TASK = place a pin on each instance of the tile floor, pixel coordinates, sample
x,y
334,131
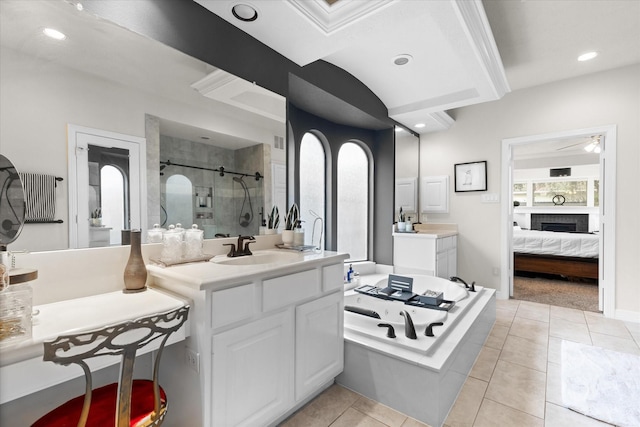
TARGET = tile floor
x,y
514,382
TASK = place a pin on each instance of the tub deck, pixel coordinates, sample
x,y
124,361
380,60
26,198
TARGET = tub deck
x,y
423,384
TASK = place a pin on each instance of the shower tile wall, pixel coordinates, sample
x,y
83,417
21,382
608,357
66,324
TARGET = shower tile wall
x,y
227,194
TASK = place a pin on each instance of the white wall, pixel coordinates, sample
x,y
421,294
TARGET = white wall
x,y
606,98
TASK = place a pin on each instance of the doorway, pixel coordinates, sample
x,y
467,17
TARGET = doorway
x,y
606,210
128,154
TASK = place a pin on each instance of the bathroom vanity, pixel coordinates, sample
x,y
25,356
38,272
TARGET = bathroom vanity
x,y
432,250
267,330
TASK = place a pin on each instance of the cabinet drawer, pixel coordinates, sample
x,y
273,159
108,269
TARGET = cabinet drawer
x,y
232,305
285,290
332,277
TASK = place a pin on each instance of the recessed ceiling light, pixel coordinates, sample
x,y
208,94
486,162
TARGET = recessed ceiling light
x,y
244,12
54,34
420,125
399,129
587,56
79,6
403,59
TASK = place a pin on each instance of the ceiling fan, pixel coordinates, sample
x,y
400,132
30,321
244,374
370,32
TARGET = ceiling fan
x,y
592,144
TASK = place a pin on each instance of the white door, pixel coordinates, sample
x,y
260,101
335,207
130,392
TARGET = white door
x,y
319,343
253,372
79,140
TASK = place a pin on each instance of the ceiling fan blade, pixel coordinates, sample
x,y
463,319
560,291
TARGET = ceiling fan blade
x,y
571,145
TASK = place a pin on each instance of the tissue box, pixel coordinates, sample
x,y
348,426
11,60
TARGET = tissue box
x,y
431,297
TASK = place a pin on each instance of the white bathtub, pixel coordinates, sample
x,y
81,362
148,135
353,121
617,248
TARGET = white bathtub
x,y
389,312
421,377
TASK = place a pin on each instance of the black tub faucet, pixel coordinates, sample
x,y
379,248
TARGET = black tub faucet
x,y
409,329
457,279
471,288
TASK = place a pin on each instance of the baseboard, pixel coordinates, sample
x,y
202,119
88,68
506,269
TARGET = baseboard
x,y
628,315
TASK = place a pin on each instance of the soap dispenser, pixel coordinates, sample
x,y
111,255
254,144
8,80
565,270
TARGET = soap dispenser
x,y
350,273
298,234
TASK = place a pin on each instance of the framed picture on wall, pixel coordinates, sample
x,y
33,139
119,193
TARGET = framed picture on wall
x,y
470,176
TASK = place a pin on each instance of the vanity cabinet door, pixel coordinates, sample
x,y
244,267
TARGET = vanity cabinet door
x,y
252,372
447,257
319,343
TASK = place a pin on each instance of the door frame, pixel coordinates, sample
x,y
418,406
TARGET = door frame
x,y
78,173
607,209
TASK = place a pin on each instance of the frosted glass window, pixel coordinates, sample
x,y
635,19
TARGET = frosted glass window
x,y
179,201
112,202
312,188
353,201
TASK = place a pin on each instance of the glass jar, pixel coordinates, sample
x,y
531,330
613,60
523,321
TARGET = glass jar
x,y
155,234
193,241
171,246
16,306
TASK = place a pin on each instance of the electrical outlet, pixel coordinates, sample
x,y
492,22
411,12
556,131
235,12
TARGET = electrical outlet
x,y
193,359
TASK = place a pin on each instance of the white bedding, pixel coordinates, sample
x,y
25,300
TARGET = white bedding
x,y
555,243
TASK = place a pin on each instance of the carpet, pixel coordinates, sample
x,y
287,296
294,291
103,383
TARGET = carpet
x,y
562,293
601,384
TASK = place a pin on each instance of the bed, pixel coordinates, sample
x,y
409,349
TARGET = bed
x,y
565,254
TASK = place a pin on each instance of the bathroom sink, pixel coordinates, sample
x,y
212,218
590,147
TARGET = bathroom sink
x,y
259,258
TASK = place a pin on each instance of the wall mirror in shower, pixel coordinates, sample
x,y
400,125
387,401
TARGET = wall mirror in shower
x,y
106,77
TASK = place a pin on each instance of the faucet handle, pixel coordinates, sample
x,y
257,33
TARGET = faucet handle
x,y
429,331
247,251
232,251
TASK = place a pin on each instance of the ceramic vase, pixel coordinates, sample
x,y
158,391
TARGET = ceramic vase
x,y
135,273
287,237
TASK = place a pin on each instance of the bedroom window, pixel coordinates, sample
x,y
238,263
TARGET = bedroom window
x,y
574,193
520,193
596,192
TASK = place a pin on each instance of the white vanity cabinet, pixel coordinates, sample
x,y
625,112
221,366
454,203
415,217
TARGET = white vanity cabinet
x,y
275,342
422,253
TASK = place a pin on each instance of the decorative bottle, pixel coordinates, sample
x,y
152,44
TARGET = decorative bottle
x,y
135,273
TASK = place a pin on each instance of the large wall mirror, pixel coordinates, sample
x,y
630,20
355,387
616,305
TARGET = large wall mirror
x,y
194,118
407,174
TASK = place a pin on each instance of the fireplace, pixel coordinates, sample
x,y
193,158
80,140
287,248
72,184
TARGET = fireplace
x,y
557,226
560,222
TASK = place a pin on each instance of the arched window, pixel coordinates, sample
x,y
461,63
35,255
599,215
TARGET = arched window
x,y
179,199
312,188
112,202
353,201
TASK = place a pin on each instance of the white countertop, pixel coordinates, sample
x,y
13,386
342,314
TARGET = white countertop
x,y
435,234
22,370
65,317
216,276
